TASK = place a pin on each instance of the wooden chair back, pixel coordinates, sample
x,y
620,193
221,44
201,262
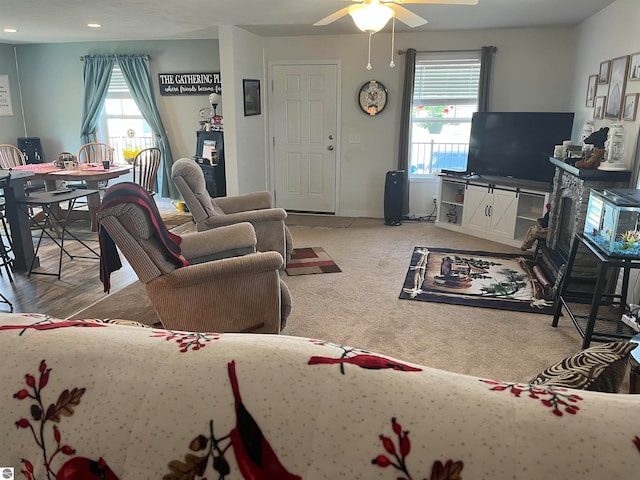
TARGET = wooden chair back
x,y
11,156
145,168
95,152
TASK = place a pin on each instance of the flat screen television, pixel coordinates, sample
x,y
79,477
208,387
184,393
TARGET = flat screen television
x,y
516,145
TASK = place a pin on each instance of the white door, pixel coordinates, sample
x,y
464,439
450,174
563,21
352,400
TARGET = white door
x,y
304,105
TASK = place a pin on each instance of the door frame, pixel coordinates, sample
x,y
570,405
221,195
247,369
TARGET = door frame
x,y
271,122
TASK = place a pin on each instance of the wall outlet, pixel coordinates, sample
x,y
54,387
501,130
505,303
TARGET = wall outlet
x,y
435,200
354,138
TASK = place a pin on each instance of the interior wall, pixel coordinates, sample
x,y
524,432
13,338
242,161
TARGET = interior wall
x,y
518,85
617,35
246,162
616,28
11,127
52,84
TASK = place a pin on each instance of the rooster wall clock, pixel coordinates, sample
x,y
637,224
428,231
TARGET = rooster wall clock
x,y
372,97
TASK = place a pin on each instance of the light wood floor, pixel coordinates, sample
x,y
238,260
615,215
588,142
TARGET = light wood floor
x,y
79,285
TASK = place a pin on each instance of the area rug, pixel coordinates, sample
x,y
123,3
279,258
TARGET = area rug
x,y
479,279
305,261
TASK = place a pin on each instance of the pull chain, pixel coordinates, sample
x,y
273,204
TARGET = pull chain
x,y
393,38
369,67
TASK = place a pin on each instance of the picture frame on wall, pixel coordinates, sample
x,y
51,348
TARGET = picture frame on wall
x,y
251,96
630,106
617,85
634,67
591,90
603,75
598,110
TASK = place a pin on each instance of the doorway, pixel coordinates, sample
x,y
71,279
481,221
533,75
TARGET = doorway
x,y
305,136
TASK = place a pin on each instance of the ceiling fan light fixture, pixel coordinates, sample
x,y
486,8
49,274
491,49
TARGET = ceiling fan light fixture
x,y
372,17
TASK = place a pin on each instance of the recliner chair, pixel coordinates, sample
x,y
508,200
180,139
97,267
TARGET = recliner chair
x,y
271,232
227,286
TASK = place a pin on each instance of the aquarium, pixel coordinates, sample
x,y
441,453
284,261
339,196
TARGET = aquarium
x,y
612,222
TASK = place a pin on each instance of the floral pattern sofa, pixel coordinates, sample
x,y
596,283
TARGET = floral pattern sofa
x,y
83,400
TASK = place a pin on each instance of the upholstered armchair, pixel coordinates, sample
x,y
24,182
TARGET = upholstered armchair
x,y
271,232
227,286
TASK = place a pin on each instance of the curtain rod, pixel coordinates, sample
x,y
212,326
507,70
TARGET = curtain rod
x,y
402,52
146,57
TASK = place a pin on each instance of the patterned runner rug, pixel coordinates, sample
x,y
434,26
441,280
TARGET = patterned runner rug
x,y
479,279
305,261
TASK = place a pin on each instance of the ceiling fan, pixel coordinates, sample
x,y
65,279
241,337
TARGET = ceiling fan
x,y
372,15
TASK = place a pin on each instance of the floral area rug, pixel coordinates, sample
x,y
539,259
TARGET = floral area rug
x,y
305,261
479,279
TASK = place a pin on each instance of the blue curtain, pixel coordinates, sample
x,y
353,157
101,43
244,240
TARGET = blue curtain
x,y
135,70
97,75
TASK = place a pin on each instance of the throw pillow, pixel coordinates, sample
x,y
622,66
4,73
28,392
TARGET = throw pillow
x,y
116,321
600,368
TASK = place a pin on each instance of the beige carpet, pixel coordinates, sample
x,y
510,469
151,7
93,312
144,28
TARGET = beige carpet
x,y
360,306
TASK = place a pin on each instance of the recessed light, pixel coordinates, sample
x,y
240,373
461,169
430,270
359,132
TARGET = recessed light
x,y
94,25
10,30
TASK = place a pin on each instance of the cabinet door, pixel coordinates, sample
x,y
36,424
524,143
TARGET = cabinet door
x,y
502,218
477,201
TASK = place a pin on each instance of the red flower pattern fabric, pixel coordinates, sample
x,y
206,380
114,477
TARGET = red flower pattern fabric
x,y
125,402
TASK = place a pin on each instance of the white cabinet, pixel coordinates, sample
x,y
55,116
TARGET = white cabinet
x,y
489,209
498,212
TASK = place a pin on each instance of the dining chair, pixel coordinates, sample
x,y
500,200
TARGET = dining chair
x,y
145,168
11,156
95,152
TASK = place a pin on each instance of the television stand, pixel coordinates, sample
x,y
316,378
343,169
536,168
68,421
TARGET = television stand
x,y
500,209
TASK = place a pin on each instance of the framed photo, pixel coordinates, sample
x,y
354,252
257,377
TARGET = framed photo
x,y
617,84
598,111
634,67
603,76
591,90
630,106
251,96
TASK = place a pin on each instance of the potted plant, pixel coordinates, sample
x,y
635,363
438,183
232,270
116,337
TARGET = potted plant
x,y
431,111
459,196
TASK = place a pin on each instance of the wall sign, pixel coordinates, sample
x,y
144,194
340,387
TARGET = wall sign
x,y
6,109
189,83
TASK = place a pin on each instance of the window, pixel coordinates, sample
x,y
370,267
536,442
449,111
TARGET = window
x,y
122,125
445,96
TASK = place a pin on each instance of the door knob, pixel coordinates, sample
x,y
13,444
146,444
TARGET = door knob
x,y
330,147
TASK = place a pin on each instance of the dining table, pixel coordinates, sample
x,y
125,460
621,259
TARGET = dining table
x,y
92,175
18,219
19,222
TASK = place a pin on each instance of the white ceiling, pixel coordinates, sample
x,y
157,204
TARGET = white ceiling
x,y
54,21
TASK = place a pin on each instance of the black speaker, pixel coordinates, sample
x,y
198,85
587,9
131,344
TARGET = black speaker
x,y
393,195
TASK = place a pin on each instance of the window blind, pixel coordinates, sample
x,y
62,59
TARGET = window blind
x,y
117,84
442,78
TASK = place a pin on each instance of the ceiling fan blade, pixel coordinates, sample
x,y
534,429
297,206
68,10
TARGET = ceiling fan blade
x,y
407,16
437,2
332,18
